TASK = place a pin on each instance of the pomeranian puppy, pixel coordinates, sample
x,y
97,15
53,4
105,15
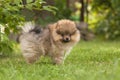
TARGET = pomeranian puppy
x,y
55,41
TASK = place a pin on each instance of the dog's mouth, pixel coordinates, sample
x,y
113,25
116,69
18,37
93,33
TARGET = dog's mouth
x,y
67,40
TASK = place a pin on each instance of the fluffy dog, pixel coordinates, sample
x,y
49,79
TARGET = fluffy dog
x,y
55,41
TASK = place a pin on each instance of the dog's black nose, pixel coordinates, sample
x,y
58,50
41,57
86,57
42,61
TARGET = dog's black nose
x,y
67,39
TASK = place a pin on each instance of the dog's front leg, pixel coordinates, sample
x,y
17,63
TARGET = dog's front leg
x,y
58,59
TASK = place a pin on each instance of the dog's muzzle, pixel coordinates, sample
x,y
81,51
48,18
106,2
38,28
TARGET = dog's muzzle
x,y
66,38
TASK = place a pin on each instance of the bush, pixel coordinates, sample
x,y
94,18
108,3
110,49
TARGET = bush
x,y
64,11
10,17
108,26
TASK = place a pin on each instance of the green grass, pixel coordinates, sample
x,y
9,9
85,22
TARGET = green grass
x,y
94,60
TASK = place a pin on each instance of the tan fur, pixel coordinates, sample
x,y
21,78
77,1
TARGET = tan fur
x,y
49,42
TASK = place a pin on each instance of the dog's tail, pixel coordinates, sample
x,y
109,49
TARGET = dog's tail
x,y
28,26
31,27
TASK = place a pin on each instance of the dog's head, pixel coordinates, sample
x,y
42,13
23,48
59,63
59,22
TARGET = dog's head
x,y
64,31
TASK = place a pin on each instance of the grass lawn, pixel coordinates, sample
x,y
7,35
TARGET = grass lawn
x,y
93,60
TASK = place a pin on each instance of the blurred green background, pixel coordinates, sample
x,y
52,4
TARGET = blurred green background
x,y
101,17
95,57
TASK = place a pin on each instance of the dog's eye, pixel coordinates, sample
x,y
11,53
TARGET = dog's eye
x,y
58,32
62,34
73,33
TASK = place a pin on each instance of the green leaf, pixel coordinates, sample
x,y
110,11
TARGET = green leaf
x,y
50,8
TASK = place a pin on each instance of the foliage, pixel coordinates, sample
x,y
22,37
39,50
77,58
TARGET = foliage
x,y
11,16
98,60
6,46
76,13
64,11
108,25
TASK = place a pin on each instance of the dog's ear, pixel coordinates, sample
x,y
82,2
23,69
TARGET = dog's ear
x,y
52,27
